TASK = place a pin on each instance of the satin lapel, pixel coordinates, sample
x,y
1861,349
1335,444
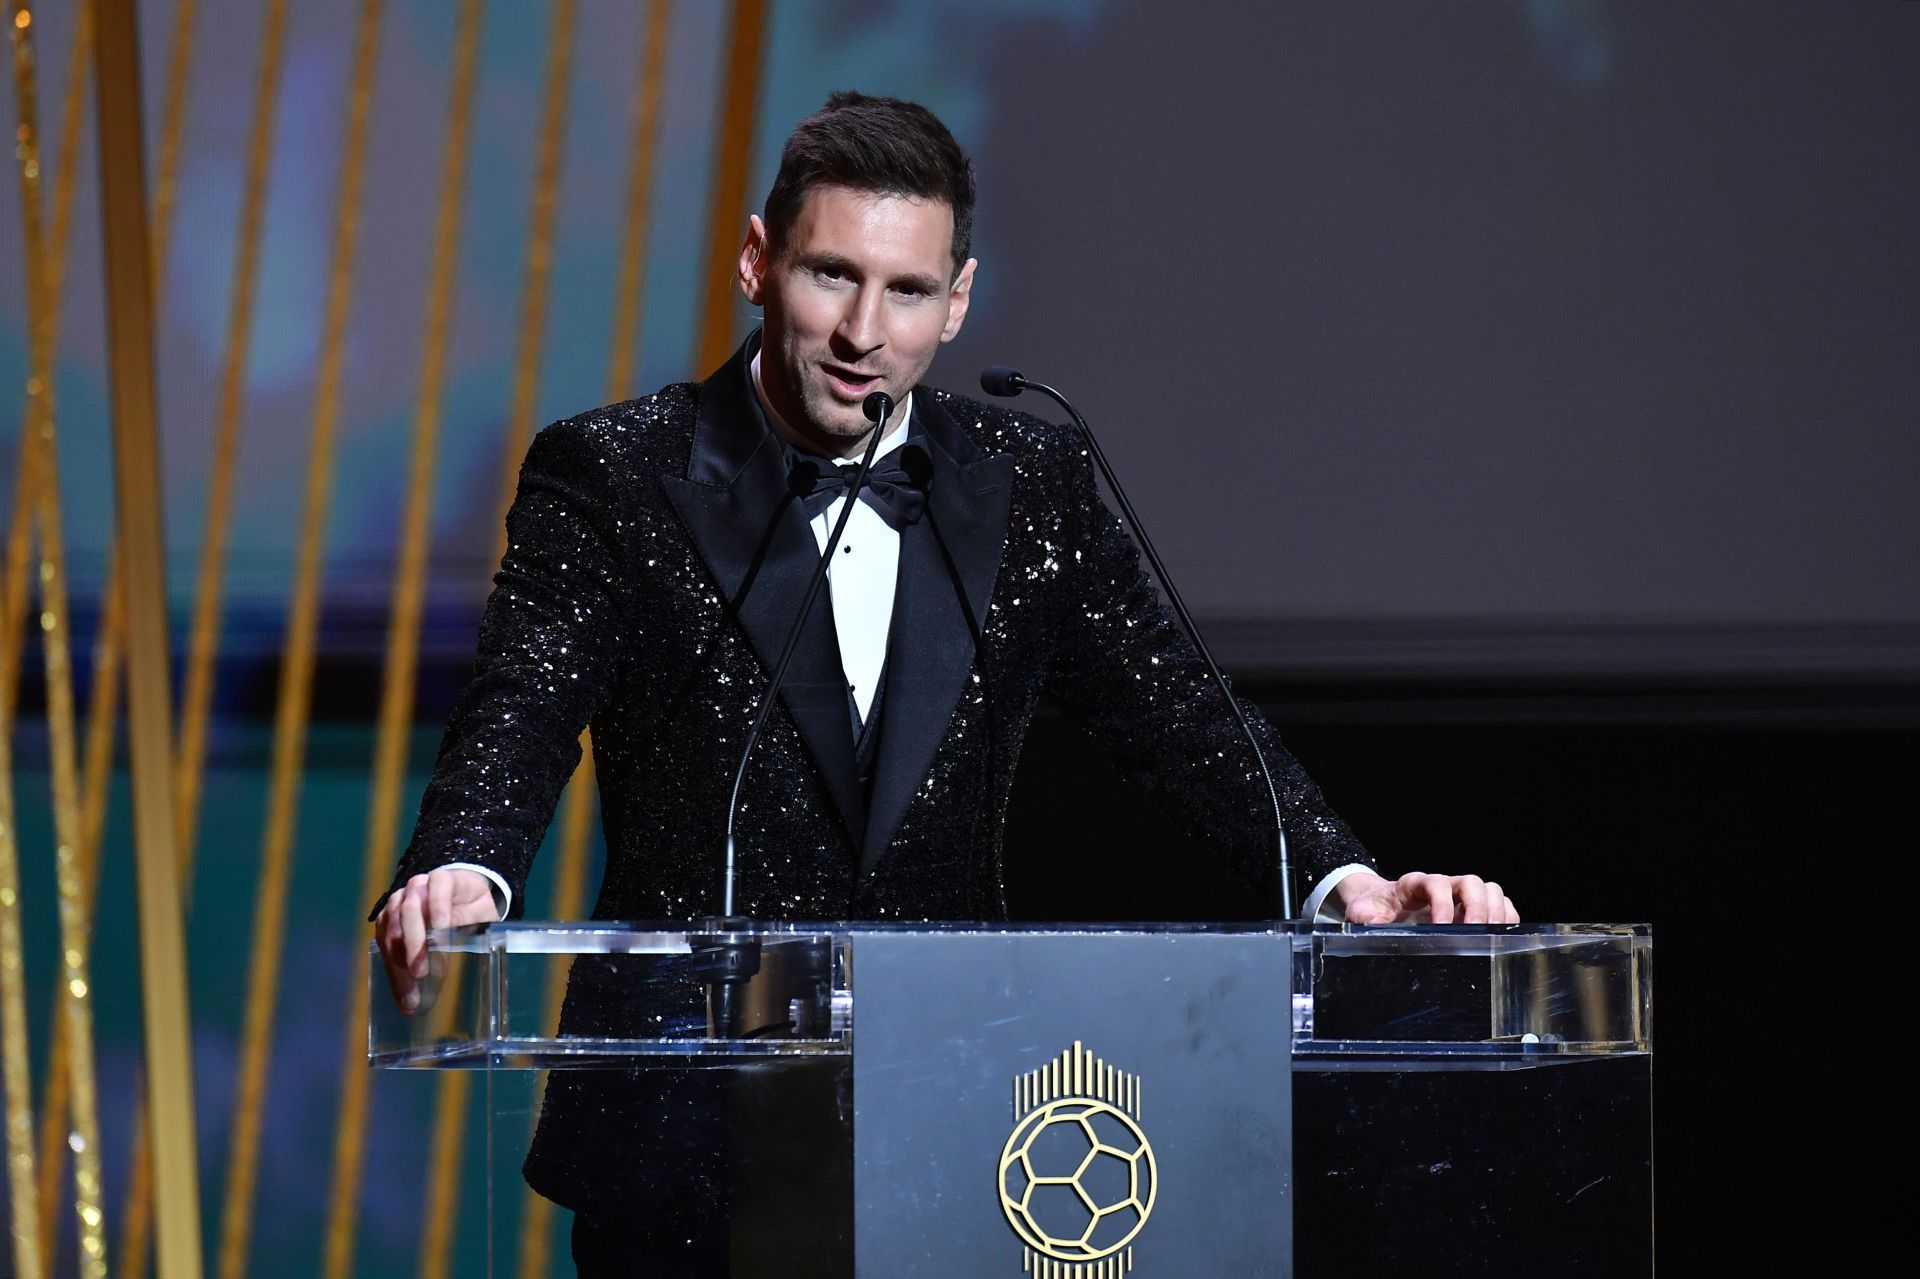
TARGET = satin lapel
x,y
931,646
759,551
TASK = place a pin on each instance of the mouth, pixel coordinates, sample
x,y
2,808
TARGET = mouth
x,y
850,384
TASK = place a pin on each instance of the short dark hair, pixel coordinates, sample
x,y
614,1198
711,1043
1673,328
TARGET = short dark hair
x,y
873,144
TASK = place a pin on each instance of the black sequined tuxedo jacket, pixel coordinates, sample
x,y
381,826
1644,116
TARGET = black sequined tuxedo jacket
x,y
654,563
655,560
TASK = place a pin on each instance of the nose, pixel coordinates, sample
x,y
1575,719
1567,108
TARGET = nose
x,y
861,330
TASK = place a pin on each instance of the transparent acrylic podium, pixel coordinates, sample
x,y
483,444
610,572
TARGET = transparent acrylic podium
x,y
1064,1101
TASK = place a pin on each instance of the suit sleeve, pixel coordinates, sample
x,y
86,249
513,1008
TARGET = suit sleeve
x,y
549,641
1126,670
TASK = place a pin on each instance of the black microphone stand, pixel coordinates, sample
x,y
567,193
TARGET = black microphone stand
x,y
1006,382
727,958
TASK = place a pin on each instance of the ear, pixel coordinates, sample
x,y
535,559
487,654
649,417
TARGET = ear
x,y
958,300
756,259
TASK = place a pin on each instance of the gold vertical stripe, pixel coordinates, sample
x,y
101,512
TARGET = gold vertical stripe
x,y
303,619
449,1126
727,218
13,601
204,634
137,475
96,778
76,1010
204,629
14,1066
19,532
538,265
249,1099
403,628
633,237
443,1180
536,1217
172,121
569,902
53,1111
72,111
137,1217
536,1226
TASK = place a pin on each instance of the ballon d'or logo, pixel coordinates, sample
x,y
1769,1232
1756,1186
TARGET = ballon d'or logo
x,y
1077,1175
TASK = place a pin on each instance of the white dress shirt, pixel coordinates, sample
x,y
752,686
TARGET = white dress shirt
x,y
864,572
861,581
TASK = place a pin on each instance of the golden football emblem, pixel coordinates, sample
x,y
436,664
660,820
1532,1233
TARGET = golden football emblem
x,y
1077,1176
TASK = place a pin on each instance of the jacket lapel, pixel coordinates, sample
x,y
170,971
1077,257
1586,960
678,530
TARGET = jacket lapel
x,y
951,554
756,545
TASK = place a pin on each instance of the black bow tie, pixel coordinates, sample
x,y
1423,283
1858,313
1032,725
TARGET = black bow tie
x,y
895,487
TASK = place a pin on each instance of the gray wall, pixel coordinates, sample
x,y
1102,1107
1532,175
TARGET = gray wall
x,y
1483,314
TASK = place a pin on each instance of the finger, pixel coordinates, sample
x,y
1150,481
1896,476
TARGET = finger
x,y
440,899
393,953
1438,890
1513,912
413,928
1471,891
1498,907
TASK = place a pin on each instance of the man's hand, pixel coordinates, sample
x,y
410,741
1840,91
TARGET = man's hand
x,y
445,898
1448,899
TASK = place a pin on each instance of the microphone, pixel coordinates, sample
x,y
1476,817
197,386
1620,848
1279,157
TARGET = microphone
x,y
878,408
1005,381
726,963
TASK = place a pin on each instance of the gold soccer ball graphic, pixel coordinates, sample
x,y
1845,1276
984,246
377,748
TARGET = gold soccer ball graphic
x,y
1077,1179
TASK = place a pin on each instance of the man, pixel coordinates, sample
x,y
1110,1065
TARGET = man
x,y
658,550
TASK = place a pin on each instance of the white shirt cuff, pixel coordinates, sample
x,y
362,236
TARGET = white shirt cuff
x,y
1322,907
502,895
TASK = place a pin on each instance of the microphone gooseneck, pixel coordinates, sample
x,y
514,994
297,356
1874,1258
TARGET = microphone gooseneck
x,y
878,407
1006,381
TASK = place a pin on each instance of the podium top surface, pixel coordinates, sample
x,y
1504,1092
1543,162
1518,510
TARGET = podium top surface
x,y
669,995
675,936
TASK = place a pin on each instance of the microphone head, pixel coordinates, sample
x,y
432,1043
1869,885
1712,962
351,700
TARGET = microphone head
x,y
1003,380
877,407
918,464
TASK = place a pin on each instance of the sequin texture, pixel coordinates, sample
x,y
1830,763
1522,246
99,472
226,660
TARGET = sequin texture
x,y
605,613
608,610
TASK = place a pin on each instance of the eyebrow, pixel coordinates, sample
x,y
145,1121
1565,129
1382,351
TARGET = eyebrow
x,y
837,262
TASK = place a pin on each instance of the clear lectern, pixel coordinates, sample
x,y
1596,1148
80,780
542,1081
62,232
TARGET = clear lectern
x,y
1093,1102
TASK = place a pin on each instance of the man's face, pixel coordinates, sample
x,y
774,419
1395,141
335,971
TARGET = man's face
x,y
858,297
